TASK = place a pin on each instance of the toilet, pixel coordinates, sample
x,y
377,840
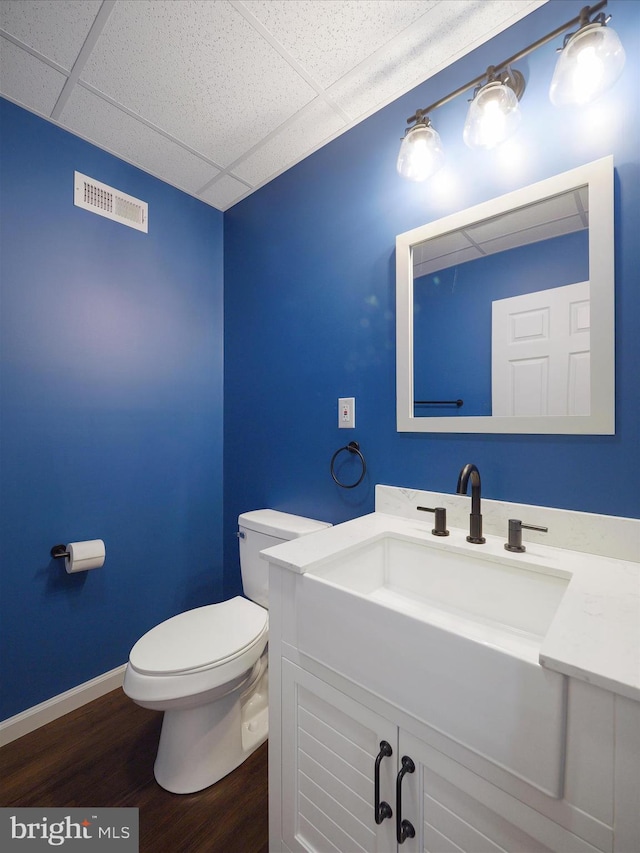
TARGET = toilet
x,y
207,668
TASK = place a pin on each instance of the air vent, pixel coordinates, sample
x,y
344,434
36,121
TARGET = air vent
x,y
109,202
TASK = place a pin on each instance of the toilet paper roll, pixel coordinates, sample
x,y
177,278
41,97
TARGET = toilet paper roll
x,y
84,555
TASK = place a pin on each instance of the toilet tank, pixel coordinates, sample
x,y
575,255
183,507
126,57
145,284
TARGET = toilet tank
x,y
260,529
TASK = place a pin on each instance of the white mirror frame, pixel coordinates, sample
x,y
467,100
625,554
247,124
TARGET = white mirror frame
x,y
598,176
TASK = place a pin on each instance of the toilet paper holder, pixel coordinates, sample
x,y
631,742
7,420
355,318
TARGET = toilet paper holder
x,y
80,556
59,551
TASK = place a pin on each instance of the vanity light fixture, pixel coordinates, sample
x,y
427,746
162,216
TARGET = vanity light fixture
x,y
421,153
494,114
591,60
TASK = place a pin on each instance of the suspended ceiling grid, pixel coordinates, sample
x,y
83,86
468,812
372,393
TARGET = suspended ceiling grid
x,y
218,97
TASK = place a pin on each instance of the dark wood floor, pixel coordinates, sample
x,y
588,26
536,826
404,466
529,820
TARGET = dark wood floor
x,y
103,754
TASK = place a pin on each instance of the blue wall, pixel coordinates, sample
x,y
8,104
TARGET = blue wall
x,y
310,301
111,410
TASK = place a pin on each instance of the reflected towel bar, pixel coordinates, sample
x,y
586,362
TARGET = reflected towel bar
x,y
457,403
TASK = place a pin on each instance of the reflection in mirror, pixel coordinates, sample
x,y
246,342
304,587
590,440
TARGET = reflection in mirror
x,y
502,342
497,303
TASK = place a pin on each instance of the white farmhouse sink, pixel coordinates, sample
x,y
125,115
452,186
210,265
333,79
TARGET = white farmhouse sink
x,y
488,600
452,636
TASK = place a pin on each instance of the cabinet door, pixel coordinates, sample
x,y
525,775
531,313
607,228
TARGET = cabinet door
x,y
455,811
329,748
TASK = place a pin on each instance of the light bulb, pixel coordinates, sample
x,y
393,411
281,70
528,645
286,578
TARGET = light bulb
x,y
421,153
494,115
589,64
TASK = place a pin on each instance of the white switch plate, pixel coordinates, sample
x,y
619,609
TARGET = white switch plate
x,y
346,412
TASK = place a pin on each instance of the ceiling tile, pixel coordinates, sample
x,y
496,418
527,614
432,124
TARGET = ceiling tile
x,y
223,76
329,38
109,127
26,80
449,30
56,30
311,127
224,192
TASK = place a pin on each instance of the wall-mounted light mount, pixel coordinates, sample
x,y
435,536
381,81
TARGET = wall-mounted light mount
x,y
591,60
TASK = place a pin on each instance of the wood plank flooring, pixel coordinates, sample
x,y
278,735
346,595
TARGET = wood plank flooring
x,y
102,755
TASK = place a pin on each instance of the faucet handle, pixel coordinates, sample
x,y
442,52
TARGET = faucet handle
x,y
516,526
441,519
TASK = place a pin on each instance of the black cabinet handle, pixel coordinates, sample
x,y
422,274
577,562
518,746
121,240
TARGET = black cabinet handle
x,y
382,810
404,828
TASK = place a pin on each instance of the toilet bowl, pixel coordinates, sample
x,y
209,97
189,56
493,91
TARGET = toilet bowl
x,y
206,669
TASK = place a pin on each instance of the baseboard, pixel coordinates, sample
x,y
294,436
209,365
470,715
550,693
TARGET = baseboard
x,y
39,715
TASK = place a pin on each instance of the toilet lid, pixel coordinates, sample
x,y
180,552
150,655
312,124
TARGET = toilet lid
x,y
200,638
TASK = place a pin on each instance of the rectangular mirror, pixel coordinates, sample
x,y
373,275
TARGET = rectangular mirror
x,y
505,313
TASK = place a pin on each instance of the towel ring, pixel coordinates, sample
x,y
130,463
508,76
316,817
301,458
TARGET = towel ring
x,y
352,447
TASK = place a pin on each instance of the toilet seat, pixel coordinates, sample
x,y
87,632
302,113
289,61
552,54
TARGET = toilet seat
x,y
200,639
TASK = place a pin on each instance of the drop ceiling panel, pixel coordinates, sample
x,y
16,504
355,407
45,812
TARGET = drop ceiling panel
x,y
439,247
28,81
94,118
545,220
56,30
219,96
309,129
544,231
408,59
552,210
446,261
223,80
330,39
224,192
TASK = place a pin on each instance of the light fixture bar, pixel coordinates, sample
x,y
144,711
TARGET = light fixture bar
x,y
581,19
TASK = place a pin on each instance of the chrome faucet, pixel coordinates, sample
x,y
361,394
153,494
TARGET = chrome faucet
x,y
475,519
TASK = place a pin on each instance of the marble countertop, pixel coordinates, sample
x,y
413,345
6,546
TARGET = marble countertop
x,y
595,633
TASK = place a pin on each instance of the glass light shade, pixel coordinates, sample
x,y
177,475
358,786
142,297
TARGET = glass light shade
x,y
493,116
590,62
421,153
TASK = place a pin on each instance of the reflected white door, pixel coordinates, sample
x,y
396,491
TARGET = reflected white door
x,y
540,353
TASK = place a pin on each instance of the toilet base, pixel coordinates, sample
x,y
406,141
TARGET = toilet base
x,y
198,746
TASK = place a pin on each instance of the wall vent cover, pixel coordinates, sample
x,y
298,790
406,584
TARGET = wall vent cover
x,y
109,202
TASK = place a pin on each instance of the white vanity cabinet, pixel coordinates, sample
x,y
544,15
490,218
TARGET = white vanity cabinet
x,y
329,746
326,731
